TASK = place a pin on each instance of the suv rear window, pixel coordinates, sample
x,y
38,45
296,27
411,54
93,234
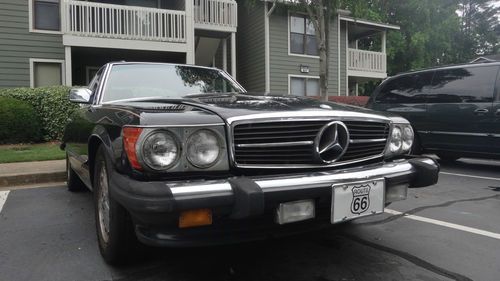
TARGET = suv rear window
x,y
406,89
459,85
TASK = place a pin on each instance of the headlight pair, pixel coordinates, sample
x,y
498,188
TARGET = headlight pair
x,y
161,149
175,149
400,139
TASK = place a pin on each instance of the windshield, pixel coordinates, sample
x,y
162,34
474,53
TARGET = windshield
x,y
135,81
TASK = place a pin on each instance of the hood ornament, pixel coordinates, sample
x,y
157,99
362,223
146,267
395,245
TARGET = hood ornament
x,y
331,142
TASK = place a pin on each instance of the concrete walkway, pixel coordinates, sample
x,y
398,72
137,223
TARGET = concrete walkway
x,y
25,173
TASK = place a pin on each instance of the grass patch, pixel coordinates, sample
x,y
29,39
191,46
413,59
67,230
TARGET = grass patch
x,y
30,152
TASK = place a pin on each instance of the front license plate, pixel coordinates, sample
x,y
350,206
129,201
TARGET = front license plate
x,y
357,199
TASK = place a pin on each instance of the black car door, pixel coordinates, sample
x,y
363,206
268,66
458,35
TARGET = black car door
x,y
460,107
81,128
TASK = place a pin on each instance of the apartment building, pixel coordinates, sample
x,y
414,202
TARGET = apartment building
x,y
268,49
46,42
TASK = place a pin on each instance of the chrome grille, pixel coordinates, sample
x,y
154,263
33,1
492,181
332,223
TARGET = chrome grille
x,y
284,143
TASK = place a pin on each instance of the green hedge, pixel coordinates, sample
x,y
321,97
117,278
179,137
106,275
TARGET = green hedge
x,y
51,105
19,122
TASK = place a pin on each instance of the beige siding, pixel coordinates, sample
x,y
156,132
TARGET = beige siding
x,y
18,45
250,47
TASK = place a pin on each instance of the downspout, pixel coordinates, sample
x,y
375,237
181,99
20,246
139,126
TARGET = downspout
x,y
267,51
338,53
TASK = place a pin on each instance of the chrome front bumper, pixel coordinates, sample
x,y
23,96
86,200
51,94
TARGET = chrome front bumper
x,y
402,168
249,196
242,205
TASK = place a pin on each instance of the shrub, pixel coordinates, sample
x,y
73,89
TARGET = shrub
x,y
51,105
19,122
352,100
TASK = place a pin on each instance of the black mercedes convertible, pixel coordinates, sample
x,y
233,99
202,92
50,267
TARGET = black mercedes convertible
x,y
180,155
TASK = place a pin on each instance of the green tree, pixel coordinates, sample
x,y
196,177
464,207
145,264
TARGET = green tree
x,y
427,30
433,32
479,26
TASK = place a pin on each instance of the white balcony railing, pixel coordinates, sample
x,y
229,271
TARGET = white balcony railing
x,y
123,22
367,61
216,14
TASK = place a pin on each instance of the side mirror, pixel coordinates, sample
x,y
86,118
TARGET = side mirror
x,y
80,95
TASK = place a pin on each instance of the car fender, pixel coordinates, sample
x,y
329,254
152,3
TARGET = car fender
x,y
101,136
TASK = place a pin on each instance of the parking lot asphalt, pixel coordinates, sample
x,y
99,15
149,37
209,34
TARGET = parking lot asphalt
x,y
450,231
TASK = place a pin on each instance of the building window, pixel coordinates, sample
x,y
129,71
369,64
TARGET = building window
x,y
304,86
302,36
46,72
46,15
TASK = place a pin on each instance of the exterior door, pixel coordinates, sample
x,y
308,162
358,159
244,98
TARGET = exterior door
x,y
460,109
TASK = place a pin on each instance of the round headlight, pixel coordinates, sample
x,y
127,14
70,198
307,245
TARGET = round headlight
x,y
160,150
203,148
407,138
396,140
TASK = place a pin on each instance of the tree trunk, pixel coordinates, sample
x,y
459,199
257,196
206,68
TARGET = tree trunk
x,y
323,52
320,13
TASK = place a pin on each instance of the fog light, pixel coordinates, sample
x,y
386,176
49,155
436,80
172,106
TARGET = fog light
x,y
194,218
396,193
295,211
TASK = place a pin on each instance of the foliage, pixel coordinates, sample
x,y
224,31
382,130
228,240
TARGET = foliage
x,y
51,105
18,122
433,32
351,100
27,153
360,101
480,27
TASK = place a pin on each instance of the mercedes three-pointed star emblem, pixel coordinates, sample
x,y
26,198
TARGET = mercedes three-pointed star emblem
x,y
331,142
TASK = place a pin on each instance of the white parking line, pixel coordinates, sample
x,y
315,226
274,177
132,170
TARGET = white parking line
x,y
3,198
446,224
470,176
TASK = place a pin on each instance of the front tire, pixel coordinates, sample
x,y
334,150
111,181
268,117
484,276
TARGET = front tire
x,y
115,232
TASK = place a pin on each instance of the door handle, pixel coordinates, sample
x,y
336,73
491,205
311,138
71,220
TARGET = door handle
x,y
481,111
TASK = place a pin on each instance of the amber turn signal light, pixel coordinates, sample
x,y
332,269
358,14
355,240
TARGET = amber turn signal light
x,y
194,218
130,138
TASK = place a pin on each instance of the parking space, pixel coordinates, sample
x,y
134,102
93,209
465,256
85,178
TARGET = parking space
x,y
48,234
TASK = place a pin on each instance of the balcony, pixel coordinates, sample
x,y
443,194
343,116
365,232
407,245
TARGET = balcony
x,y
363,63
89,23
218,15
90,19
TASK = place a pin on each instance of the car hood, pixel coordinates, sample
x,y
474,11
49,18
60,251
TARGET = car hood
x,y
227,108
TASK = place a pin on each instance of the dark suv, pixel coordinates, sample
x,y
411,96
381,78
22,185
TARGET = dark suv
x,y
455,110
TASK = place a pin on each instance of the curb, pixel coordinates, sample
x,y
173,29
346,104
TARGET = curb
x,y
26,179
